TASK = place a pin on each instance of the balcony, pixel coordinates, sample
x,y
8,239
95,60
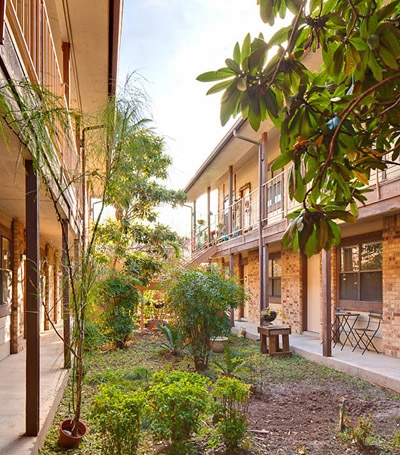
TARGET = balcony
x,y
31,29
242,217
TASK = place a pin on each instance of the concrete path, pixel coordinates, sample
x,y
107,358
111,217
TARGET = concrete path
x,y
53,379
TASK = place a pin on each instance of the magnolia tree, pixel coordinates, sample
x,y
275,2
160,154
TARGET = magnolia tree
x,y
337,124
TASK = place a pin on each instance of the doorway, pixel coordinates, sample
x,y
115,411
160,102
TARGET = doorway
x,y
313,294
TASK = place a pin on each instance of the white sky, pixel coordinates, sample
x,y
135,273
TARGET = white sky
x,y
169,43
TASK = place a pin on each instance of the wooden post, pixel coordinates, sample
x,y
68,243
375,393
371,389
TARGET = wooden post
x,y
32,301
326,305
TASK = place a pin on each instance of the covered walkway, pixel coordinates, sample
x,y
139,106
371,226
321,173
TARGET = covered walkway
x,y
53,379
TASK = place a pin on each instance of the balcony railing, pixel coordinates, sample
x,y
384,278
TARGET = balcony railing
x,y
244,212
31,28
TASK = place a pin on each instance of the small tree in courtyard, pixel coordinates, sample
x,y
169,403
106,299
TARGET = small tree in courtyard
x,y
200,299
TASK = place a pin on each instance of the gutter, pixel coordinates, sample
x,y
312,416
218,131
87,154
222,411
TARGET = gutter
x,y
114,41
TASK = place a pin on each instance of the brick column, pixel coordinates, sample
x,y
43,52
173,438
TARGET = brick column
x,y
292,289
391,286
18,287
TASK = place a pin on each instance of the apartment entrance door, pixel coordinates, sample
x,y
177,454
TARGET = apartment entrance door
x,y
313,294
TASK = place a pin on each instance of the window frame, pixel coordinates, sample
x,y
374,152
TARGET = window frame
x,y
358,305
274,298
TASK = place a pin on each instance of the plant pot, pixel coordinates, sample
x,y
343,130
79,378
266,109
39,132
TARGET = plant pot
x,y
271,316
217,344
66,439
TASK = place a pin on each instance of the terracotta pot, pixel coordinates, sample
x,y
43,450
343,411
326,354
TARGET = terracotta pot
x,y
66,439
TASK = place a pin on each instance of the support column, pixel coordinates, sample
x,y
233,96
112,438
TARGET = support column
x,y
65,291
326,304
230,209
32,301
209,215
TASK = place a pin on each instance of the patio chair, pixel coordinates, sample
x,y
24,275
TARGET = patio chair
x,y
367,334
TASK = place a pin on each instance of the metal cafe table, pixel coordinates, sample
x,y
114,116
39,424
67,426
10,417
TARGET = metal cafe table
x,y
344,324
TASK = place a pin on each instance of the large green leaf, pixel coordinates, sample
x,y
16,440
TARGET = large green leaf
x,y
229,103
212,76
219,87
266,8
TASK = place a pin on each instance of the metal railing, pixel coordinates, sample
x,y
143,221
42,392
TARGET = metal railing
x,y
31,28
245,211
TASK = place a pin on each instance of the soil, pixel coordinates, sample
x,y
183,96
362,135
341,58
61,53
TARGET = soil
x,y
303,418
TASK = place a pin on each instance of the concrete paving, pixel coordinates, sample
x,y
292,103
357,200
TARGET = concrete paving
x,y
375,368
53,379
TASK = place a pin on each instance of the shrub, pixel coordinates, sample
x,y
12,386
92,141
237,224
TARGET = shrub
x,y
94,338
176,402
201,299
230,410
119,299
118,415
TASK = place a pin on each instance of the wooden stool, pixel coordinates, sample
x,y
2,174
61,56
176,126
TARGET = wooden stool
x,y
272,332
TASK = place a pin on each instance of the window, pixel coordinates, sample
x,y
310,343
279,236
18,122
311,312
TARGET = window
x,y
360,277
274,191
5,272
274,277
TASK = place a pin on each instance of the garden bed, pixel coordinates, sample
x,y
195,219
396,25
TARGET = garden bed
x,y
294,408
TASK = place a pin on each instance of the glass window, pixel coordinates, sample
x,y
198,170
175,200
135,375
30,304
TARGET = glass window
x,y
5,272
274,277
360,276
5,253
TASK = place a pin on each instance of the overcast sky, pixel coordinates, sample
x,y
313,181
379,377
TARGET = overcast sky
x,y
169,43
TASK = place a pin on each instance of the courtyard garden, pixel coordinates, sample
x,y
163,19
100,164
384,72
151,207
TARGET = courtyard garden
x,y
149,399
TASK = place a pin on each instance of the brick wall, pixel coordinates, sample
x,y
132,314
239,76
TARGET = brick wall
x,y
18,288
391,286
292,291
253,285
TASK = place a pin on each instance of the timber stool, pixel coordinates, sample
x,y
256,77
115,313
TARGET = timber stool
x,y
272,332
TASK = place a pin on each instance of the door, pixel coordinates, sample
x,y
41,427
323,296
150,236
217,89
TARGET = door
x,y
313,294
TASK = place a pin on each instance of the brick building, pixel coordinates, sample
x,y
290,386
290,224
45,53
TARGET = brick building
x,y
70,48
243,206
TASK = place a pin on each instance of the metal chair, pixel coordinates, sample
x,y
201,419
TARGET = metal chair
x,y
366,334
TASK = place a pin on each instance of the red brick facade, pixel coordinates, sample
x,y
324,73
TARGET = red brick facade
x,y
391,286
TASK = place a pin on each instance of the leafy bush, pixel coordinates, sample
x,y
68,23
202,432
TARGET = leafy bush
x,y
94,338
118,415
176,402
230,410
201,299
119,299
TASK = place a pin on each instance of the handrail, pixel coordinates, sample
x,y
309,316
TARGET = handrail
x,y
245,210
